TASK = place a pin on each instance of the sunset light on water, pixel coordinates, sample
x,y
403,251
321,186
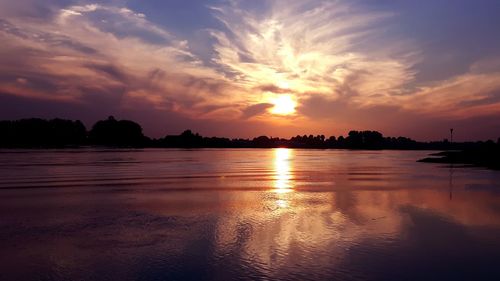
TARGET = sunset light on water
x,y
282,166
221,140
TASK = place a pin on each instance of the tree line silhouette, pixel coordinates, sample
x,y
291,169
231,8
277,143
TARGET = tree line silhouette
x,y
37,132
40,133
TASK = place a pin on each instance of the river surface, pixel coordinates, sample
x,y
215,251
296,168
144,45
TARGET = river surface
x,y
245,214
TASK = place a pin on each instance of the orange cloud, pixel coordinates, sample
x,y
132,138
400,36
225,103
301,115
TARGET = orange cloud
x,y
326,56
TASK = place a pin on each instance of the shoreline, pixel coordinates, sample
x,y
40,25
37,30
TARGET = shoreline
x,y
485,158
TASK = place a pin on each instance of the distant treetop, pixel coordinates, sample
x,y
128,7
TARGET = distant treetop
x,y
125,133
112,132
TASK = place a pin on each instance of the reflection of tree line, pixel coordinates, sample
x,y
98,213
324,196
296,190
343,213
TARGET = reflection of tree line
x,y
112,132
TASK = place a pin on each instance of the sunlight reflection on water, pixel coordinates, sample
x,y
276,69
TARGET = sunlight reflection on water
x,y
283,170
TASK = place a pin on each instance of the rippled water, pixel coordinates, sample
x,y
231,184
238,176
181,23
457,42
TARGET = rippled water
x,y
254,214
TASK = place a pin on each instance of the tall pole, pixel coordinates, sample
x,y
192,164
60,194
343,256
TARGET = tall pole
x,y
451,134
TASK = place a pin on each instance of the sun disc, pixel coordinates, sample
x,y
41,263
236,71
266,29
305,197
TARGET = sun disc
x,y
283,105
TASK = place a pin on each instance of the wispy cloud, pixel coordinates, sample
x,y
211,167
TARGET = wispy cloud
x,y
474,93
311,48
102,49
330,57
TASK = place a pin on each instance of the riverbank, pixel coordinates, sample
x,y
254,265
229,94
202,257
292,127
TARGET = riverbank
x,y
488,157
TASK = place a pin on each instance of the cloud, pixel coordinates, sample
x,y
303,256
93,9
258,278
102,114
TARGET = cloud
x,y
337,59
273,89
472,94
256,109
488,65
94,49
481,121
312,47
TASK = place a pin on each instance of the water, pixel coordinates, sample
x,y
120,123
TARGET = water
x,y
248,214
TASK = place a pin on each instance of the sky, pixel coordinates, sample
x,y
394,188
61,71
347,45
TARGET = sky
x,y
240,68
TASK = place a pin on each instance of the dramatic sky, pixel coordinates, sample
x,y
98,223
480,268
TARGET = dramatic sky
x,y
245,68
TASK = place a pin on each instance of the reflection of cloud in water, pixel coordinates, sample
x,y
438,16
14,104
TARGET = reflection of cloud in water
x,y
306,224
179,222
322,225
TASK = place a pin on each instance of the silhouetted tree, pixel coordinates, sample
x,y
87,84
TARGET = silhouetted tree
x,y
341,142
68,132
354,139
112,132
331,141
262,141
364,140
186,139
41,133
60,133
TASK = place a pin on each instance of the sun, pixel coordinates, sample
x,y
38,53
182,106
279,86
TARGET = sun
x,y
283,105
283,85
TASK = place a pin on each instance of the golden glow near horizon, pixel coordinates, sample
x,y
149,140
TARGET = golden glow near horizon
x,y
283,105
290,55
263,65
283,183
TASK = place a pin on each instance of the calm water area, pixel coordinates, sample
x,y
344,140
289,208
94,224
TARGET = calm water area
x,y
245,214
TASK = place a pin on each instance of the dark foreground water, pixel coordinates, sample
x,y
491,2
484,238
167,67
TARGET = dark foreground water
x,y
251,214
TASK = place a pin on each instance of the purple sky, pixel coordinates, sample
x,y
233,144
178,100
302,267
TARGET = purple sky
x,y
247,68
